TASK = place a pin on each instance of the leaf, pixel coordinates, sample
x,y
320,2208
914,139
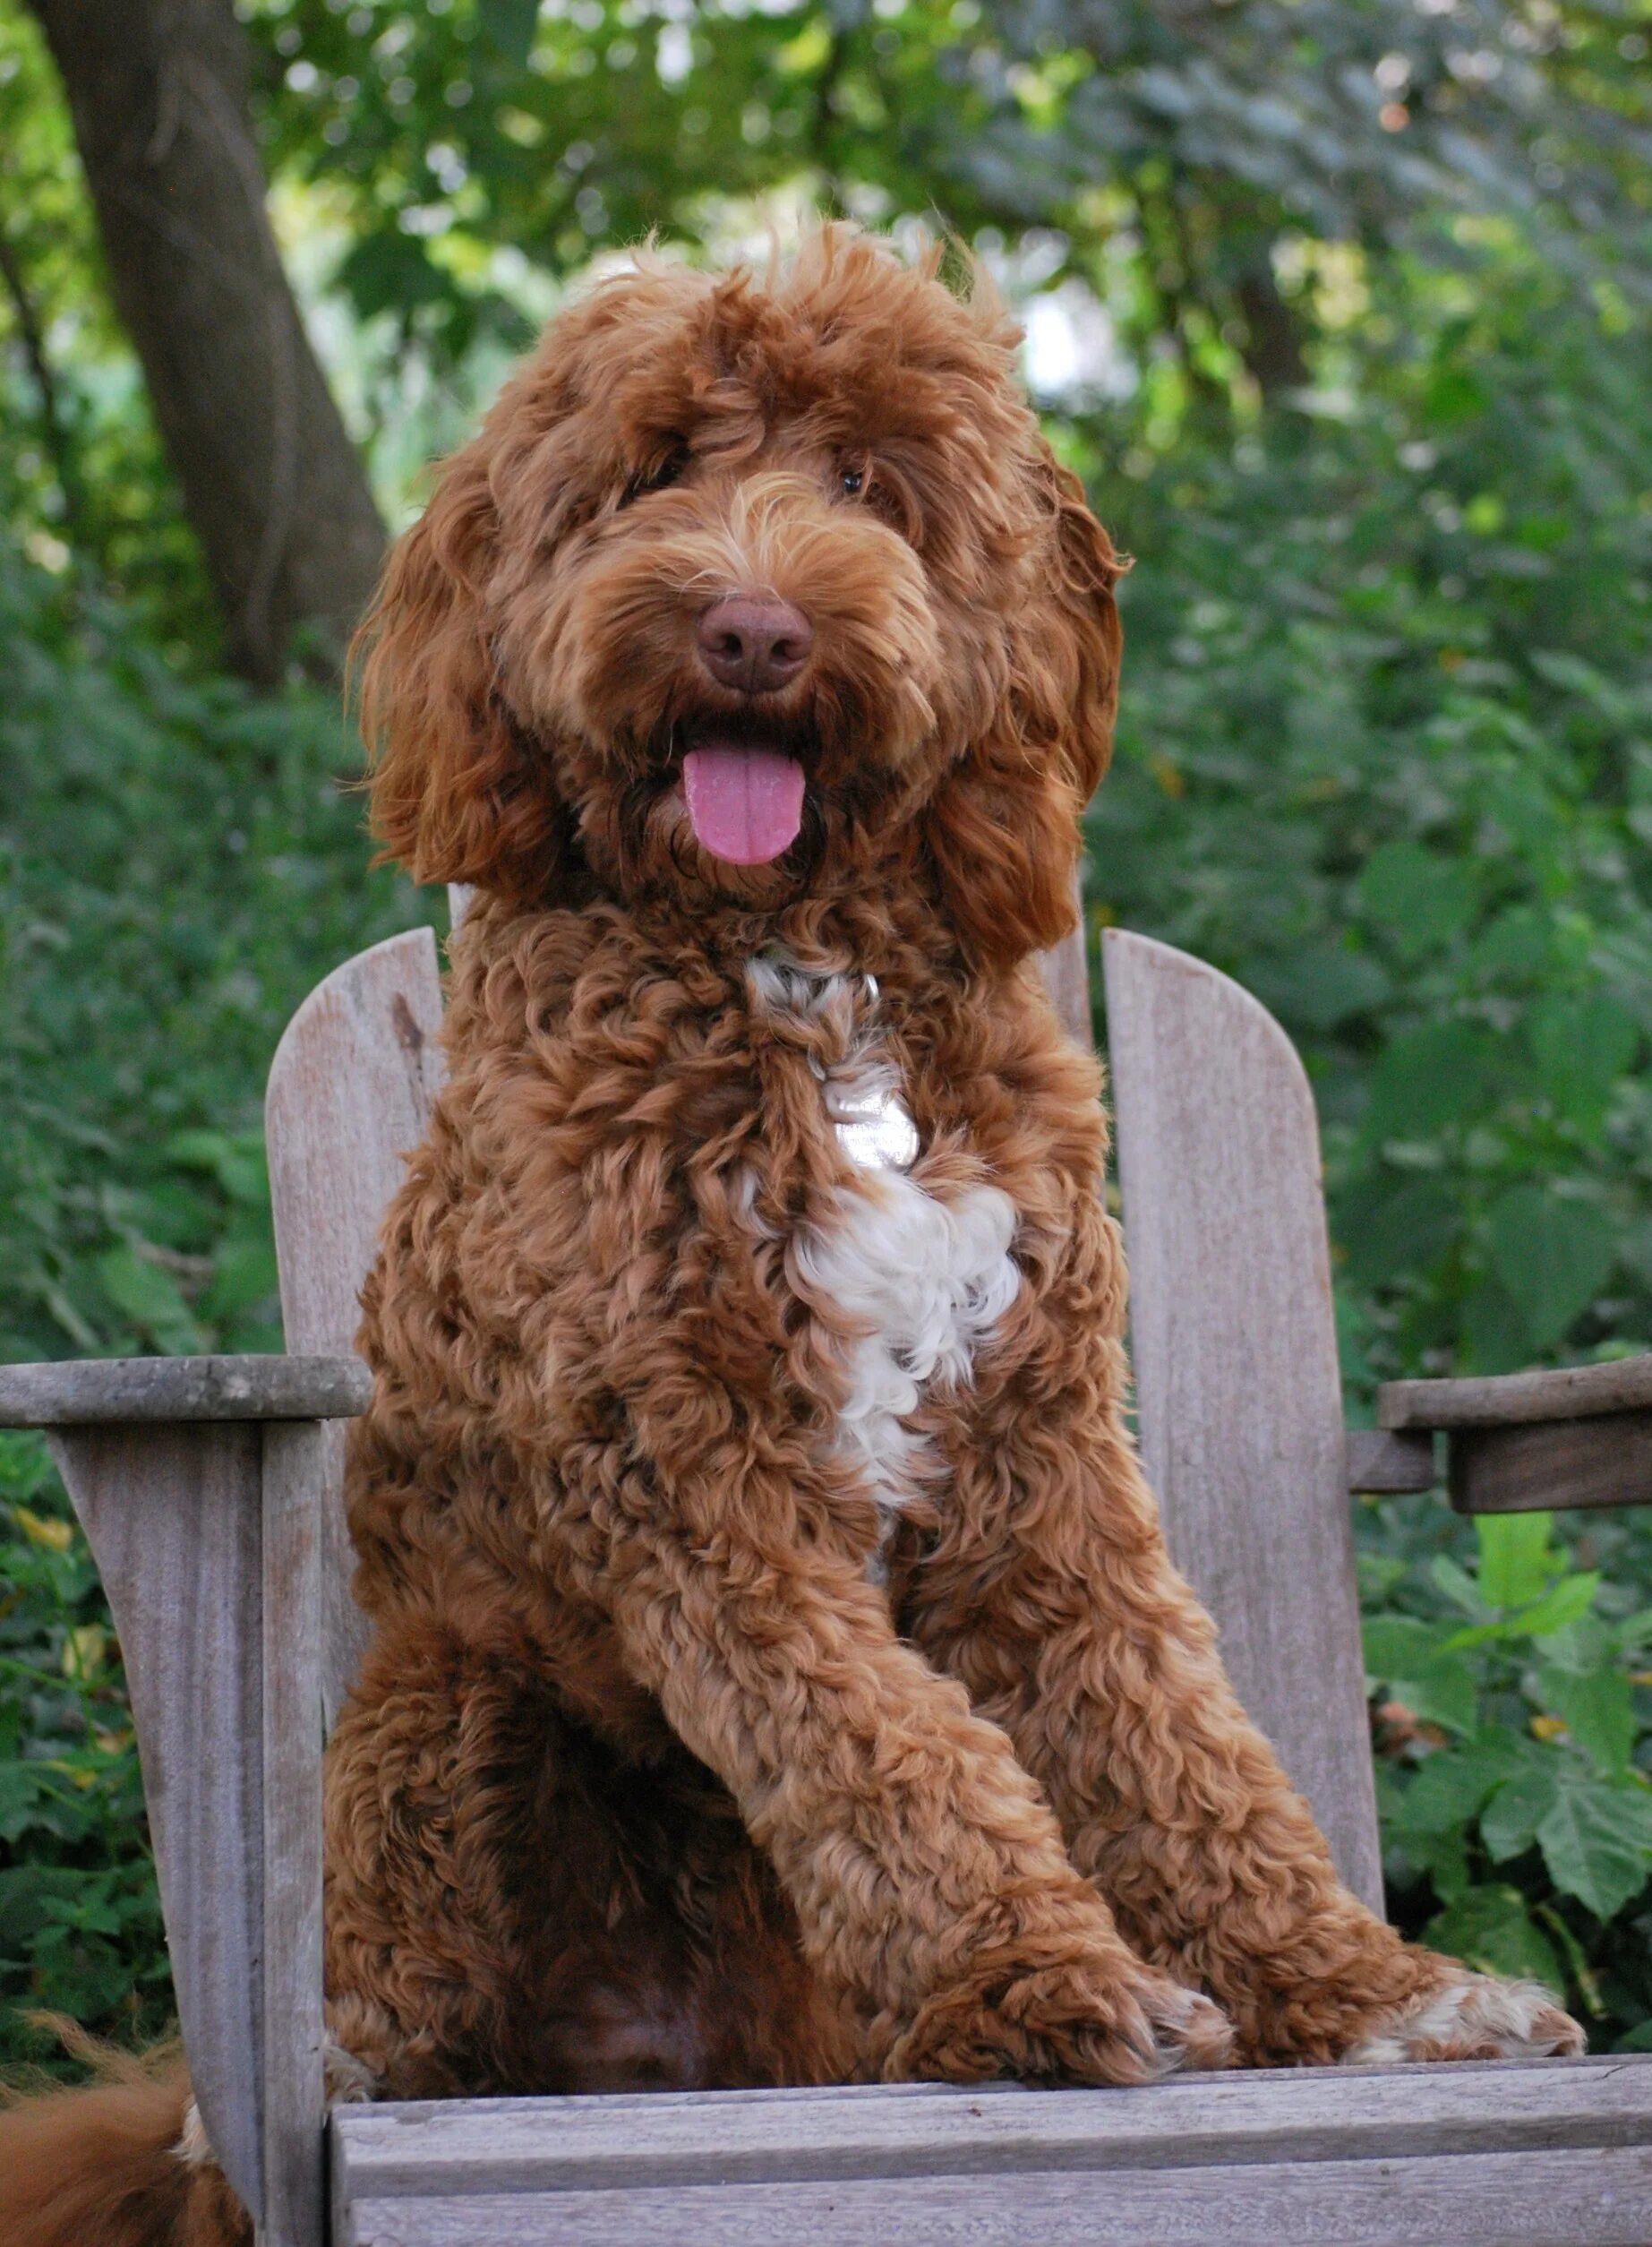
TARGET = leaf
x,y
1493,1330
1562,1606
1509,1820
1438,1683
1459,1587
1320,988
150,1297
1417,898
86,1649
1407,1228
1449,1787
1489,1929
1588,1645
510,25
1596,1841
1379,1573
1443,1857
1430,1078
244,1273
23,1789
1635,1631
1517,1560
1598,1710
1554,1255
1394,1644
25,1464
44,1528
390,271
1582,1046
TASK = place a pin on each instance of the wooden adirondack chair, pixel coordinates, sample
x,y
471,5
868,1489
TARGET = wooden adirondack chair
x,y
210,1490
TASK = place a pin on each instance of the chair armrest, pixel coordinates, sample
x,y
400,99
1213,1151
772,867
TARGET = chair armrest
x,y
1511,1400
202,1484
1518,1442
88,1392
1380,1461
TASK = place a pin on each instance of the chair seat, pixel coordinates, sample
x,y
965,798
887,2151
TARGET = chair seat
x,y
1521,2153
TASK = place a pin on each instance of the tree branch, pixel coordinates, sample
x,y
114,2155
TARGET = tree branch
x,y
54,428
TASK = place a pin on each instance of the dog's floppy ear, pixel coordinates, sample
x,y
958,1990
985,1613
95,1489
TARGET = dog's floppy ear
x,y
1003,829
460,793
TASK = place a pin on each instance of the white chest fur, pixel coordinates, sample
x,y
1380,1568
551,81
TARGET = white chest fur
x,y
919,1279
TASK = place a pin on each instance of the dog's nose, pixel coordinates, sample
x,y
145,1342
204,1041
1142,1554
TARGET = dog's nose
x,y
756,646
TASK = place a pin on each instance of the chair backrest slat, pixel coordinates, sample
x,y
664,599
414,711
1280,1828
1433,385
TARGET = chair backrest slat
x,y
1066,971
349,1094
1234,1345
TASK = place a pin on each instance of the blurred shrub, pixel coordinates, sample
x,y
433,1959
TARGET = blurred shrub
x,y
179,865
178,868
79,1920
1514,1733
1386,757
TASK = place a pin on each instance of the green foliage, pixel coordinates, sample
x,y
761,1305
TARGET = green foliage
x,y
179,866
79,1922
82,480
1171,153
442,169
1515,1739
1385,756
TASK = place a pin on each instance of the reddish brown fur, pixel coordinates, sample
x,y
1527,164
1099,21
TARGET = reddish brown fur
x,y
95,2168
645,1782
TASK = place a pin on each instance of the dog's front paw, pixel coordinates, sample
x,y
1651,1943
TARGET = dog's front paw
x,y
1063,2024
1470,2017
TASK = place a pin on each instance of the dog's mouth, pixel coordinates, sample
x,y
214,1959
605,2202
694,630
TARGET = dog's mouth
x,y
745,798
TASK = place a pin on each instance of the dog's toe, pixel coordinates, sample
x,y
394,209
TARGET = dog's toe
x,y
1472,2017
1187,2031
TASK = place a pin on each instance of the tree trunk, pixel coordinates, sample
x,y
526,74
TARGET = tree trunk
x,y
271,483
1272,345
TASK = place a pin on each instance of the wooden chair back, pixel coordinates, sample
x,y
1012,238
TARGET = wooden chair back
x,y
349,1094
1238,1402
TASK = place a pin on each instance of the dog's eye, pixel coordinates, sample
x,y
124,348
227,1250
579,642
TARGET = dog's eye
x,y
665,472
854,481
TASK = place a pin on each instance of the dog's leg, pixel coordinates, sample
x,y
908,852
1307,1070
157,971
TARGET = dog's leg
x,y
515,1905
932,1893
432,1771
1050,1595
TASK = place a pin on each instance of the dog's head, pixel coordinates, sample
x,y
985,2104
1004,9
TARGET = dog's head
x,y
750,591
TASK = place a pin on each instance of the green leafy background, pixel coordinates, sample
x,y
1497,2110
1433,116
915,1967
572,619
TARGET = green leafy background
x,y
1373,411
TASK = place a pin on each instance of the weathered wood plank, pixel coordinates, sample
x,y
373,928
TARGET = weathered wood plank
x,y
1066,970
349,1093
448,2149
172,1515
1603,1461
1235,1351
295,2092
1505,1400
1379,1461
92,1391
1522,2200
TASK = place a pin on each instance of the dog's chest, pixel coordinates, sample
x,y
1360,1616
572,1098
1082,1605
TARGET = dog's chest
x,y
916,1281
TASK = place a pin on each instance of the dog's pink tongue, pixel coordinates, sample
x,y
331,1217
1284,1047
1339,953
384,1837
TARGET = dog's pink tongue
x,y
745,805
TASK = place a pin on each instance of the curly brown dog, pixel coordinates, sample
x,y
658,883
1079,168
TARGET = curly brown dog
x,y
777,1676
